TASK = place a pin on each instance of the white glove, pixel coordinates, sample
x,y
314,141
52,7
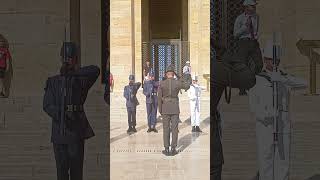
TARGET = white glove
x,y
276,76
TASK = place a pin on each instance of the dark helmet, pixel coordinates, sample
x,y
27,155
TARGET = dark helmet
x,y
131,77
170,68
68,51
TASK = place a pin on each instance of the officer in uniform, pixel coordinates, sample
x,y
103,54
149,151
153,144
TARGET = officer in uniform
x,y
246,31
150,90
63,101
130,92
187,68
261,104
194,94
168,103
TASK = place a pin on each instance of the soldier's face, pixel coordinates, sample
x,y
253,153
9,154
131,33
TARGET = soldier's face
x,y
148,63
194,82
131,81
170,75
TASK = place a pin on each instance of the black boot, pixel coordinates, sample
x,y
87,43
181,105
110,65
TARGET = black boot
x,y
166,151
198,129
173,151
129,130
149,130
155,130
193,129
134,129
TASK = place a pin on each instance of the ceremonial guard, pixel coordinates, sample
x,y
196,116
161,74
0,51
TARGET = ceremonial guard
x,y
194,94
130,92
273,126
63,101
168,103
150,90
187,68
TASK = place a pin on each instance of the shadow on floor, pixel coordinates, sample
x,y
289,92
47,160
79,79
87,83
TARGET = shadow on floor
x,y
315,177
188,139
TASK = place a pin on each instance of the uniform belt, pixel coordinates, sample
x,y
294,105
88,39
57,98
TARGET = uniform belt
x,y
247,38
170,99
74,108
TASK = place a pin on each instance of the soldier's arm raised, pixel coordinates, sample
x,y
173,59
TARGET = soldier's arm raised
x,y
185,81
49,103
91,73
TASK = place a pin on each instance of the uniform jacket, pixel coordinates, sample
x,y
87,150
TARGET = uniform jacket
x,y
81,128
261,95
130,92
149,88
194,94
168,100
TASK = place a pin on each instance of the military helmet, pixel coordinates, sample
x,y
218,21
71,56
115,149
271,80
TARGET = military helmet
x,y
249,3
194,78
68,51
131,77
170,68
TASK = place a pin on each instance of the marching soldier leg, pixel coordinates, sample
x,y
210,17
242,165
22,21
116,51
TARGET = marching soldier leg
x,y
129,117
76,153
62,161
166,130
265,150
284,148
134,119
149,114
174,129
192,114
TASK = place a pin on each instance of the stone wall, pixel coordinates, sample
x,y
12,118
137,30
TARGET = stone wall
x,y
295,20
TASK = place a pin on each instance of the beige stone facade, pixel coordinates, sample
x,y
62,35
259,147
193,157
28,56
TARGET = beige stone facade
x,y
124,53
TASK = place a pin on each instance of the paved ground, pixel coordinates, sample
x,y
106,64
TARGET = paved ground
x,y
139,157
239,138
25,149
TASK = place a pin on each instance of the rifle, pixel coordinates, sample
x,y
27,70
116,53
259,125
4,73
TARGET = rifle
x,y
276,49
64,93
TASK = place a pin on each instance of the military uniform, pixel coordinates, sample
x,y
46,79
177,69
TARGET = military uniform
x,y
168,104
261,104
130,92
194,94
69,147
150,90
187,69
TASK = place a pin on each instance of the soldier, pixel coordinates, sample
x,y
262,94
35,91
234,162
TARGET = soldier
x,y
168,103
246,29
194,94
261,104
150,89
187,68
63,101
130,92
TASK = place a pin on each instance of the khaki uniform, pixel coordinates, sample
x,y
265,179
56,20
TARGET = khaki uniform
x,y
168,105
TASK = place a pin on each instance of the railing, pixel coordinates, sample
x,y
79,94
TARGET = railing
x,y
311,49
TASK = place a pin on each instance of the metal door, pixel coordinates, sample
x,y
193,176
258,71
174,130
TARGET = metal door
x,y
162,53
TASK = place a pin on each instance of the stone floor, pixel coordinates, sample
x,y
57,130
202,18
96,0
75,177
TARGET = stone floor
x,y
139,157
239,138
